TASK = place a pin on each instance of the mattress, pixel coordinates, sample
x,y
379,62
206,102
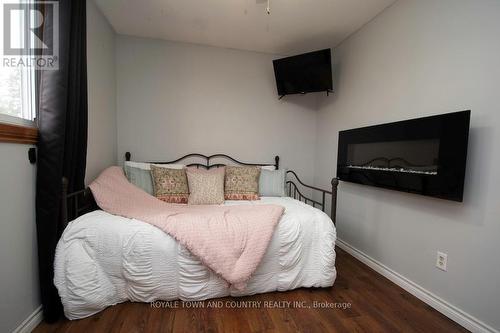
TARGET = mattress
x,y
102,260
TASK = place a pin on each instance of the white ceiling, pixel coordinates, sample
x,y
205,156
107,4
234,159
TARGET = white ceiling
x,y
293,26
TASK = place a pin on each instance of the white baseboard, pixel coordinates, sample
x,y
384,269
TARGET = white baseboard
x,y
464,319
31,322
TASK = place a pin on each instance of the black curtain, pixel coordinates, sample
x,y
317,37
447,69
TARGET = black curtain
x,y
62,145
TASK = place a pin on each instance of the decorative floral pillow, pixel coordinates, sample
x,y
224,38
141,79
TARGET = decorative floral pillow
x,y
206,187
170,185
242,183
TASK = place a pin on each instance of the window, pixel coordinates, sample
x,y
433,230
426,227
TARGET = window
x,y
17,84
17,94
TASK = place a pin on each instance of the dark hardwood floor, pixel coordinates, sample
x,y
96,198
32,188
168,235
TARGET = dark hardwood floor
x,y
366,302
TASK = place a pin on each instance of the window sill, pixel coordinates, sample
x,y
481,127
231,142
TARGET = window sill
x,y
18,134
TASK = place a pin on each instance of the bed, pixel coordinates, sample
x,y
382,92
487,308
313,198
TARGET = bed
x,y
103,259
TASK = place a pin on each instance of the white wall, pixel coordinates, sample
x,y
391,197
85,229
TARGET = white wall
x,y
102,132
419,58
176,98
18,247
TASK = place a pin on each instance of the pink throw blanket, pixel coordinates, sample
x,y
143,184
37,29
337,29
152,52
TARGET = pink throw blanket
x,y
230,240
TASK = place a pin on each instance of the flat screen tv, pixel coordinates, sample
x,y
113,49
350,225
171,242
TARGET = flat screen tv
x,y
425,156
304,73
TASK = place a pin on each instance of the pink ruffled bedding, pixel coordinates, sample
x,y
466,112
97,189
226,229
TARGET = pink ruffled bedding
x,y
230,240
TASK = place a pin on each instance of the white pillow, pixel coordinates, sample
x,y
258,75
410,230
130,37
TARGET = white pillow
x,y
170,166
147,166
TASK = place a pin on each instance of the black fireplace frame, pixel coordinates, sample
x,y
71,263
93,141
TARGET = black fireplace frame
x,y
452,130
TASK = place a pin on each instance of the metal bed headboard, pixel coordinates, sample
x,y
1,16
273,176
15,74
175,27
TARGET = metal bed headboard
x,y
210,158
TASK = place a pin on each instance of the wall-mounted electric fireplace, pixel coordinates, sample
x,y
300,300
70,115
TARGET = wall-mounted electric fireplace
x,y
425,156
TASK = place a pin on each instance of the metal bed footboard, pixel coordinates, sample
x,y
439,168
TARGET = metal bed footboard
x,y
293,191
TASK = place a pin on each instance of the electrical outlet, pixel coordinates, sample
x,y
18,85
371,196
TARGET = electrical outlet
x,y
441,261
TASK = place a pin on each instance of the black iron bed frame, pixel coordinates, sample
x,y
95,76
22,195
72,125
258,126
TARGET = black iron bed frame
x,y
81,202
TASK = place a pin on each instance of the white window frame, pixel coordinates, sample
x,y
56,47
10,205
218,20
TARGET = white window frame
x,y
28,92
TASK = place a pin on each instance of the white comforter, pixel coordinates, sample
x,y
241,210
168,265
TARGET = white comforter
x,y
102,259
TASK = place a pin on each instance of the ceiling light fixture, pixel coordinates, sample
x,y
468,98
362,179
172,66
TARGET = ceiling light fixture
x,y
268,8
